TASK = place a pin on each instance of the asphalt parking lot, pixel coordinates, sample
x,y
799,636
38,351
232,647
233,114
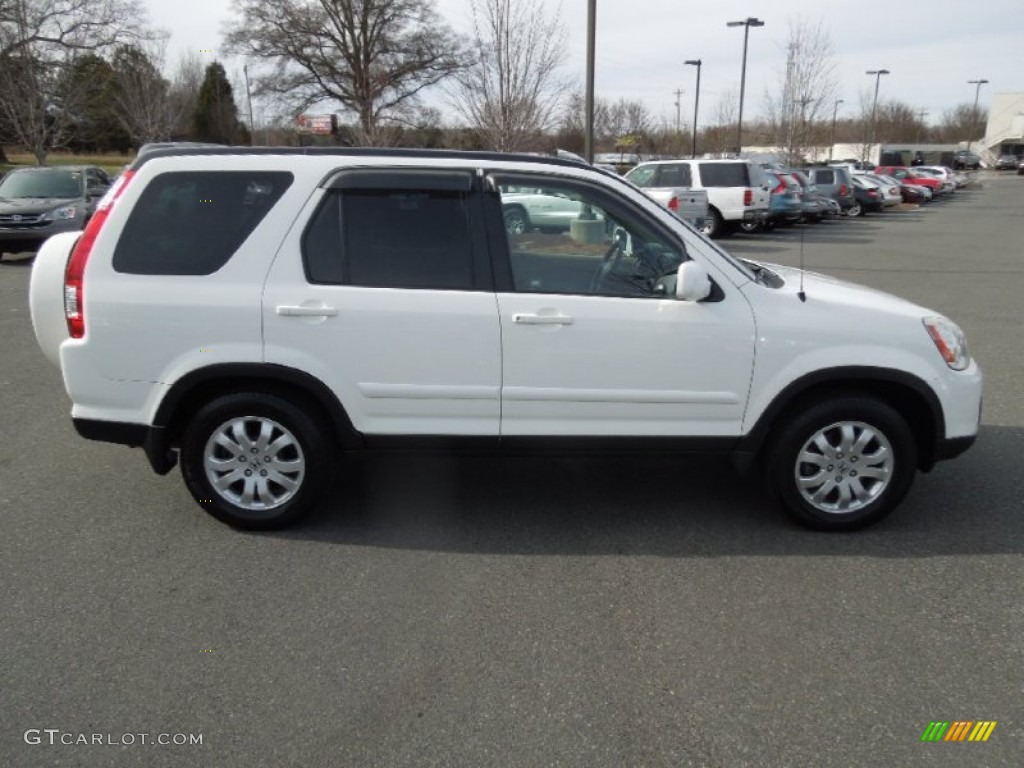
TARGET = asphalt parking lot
x,y
474,611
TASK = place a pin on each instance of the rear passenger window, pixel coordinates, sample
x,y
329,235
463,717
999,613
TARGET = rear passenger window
x,y
724,175
191,223
380,238
674,175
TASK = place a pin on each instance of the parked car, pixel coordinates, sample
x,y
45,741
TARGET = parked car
x,y
671,185
869,197
913,176
834,183
813,204
1007,163
888,187
38,202
1020,167
527,208
912,193
947,177
964,159
785,206
287,338
737,189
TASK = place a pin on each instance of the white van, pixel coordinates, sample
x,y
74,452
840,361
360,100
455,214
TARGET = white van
x,y
737,189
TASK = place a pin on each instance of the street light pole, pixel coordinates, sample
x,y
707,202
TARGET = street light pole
x,y
974,114
835,111
747,23
874,105
696,104
588,140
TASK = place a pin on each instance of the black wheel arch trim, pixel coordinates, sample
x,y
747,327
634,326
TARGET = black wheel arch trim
x,y
253,374
849,376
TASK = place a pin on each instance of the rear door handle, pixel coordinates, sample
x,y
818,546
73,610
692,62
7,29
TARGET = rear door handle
x,y
298,311
523,319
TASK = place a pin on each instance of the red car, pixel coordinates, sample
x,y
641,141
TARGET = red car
x,y
902,173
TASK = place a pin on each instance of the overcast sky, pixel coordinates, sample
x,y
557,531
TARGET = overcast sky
x,y
931,47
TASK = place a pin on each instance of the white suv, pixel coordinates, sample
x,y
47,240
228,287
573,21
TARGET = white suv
x,y
738,195
254,313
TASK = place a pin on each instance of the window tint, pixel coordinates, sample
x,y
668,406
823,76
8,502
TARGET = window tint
x,y
674,175
724,175
566,239
391,239
825,177
191,223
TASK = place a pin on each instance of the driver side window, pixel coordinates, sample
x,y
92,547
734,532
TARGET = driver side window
x,y
569,239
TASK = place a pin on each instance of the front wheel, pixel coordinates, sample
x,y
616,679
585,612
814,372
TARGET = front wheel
x,y
516,221
254,460
855,210
842,464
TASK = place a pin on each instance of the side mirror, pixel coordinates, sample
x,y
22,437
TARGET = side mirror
x,y
692,282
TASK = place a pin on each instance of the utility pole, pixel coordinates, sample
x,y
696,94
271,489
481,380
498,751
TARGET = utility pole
x,y
679,114
248,96
588,141
921,115
974,114
747,23
835,111
874,105
696,103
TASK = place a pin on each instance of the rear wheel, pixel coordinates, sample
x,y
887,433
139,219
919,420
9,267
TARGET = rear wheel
x,y
255,460
855,210
843,463
750,226
714,226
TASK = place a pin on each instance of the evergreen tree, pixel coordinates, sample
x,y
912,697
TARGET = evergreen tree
x,y
216,116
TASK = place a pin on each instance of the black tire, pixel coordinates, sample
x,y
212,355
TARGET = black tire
x,y
751,227
306,452
855,210
516,220
714,225
872,499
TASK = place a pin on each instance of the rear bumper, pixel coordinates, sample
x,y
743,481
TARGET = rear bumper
x,y
152,440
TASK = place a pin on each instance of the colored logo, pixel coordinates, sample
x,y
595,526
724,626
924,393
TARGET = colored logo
x,y
959,730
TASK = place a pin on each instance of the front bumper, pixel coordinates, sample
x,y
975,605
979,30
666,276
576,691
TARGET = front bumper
x,y
29,237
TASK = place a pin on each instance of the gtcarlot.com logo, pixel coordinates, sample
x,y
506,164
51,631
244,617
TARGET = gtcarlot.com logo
x,y
55,736
958,730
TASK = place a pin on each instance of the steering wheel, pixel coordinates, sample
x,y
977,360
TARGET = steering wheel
x,y
608,263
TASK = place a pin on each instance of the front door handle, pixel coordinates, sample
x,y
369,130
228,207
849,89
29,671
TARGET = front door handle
x,y
523,319
299,311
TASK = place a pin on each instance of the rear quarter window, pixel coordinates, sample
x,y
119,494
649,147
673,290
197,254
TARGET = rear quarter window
x,y
192,222
674,175
825,177
724,175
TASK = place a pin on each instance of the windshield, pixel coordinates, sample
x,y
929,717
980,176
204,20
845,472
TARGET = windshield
x,y
42,183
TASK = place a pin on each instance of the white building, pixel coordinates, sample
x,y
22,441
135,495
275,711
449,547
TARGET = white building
x,y
1004,133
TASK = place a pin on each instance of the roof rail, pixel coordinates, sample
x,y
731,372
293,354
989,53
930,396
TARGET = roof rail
x,y
153,151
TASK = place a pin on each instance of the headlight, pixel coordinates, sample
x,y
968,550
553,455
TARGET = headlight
x,y
949,340
64,213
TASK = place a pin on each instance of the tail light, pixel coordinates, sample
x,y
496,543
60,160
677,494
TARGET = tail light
x,y
74,307
673,204
842,190
779,190
748,196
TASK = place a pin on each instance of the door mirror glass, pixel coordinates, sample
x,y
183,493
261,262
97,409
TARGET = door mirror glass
x,y
692,282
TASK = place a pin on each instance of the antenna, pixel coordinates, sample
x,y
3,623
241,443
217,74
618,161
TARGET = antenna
x,y
800,293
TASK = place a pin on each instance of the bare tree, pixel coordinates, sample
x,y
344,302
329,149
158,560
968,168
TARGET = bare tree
x,y
372,56
512,91
807,90
63,25
143,97
39,40
961,123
